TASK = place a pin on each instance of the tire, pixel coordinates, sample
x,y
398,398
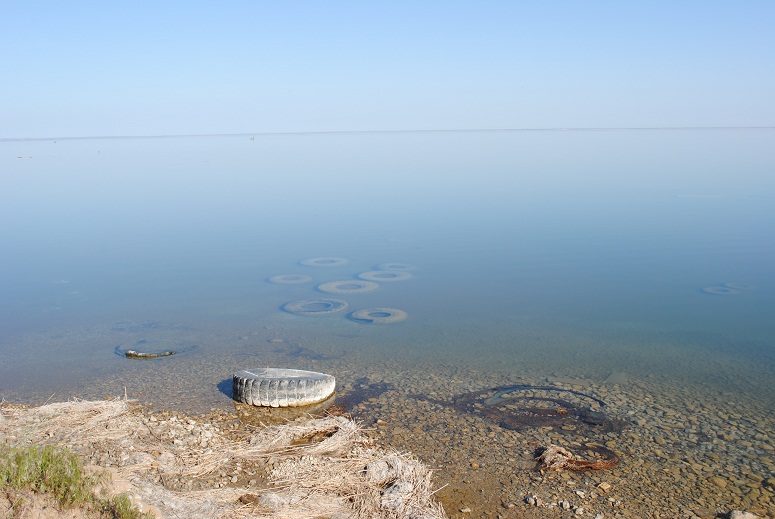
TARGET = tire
x,y
720,291
277,387
378,315
289,279
348,287
395,266
737,286
314,307
324,262
385,275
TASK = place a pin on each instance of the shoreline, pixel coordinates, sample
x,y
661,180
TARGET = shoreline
x,y
697,442
686,451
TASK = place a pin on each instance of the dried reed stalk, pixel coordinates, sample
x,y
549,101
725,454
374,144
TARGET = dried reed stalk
x,y
324,467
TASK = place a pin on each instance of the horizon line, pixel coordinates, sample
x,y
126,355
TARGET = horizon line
x,y
366,132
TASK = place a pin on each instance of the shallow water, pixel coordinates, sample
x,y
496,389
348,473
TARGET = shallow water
x,y
537,254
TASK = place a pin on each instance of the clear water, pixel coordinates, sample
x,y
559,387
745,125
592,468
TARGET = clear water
x,y
569,253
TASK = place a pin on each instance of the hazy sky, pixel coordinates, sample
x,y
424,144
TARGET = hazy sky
x,y
142,68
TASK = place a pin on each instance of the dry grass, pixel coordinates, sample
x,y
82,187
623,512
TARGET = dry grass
x,y
322,467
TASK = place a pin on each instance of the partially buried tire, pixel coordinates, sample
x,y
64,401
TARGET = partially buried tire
x,y
278,387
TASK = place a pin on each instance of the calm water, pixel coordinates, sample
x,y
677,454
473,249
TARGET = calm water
x,y
573,253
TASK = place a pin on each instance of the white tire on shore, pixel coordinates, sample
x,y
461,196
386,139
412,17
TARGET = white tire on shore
x,y
278,387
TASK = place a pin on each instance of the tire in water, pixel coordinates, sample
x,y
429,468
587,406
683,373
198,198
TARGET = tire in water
x,y
278,387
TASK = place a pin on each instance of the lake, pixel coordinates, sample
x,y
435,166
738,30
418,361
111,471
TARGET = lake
x,y
639,257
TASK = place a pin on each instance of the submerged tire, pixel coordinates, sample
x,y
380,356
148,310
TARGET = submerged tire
x,y
324,262
290,279
378,315
313,307
737,286
278,387
720,291
395,266
385,275
348,287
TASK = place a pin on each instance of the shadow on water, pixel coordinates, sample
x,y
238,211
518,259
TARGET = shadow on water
x,y
361,391
225,386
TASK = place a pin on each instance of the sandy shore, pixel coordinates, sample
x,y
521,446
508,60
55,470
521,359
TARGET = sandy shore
x,y
697,440
686,451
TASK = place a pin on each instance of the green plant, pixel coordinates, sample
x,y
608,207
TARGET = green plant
x,y
55,471
60,474
120,507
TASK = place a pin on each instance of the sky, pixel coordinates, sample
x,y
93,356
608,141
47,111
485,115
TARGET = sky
x,y
89,68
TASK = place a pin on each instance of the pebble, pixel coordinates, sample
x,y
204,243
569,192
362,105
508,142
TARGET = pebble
x,y
466,510
616,377
719,481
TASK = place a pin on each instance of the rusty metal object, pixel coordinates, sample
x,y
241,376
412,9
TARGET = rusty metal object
x,y
512,410
555,457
